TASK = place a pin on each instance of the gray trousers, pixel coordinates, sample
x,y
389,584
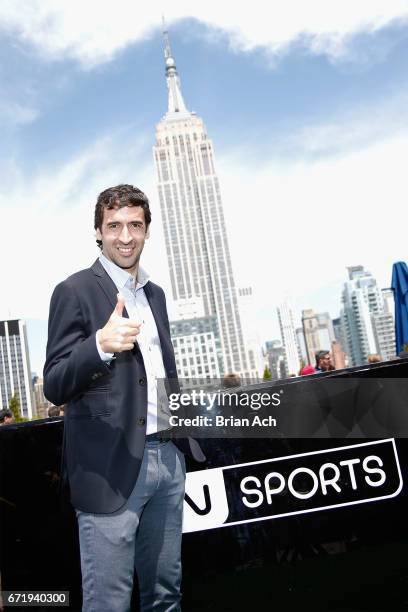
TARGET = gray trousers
x,y
144,534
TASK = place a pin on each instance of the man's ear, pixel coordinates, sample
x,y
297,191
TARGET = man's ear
x,y
98,234
147,233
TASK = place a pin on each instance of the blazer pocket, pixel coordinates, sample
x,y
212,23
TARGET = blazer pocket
x,y
93,413
92,405
94,390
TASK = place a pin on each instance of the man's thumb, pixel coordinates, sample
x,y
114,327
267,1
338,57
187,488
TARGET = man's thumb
x,y
119,305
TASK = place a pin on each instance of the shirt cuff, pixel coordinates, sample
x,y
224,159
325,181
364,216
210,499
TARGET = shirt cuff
x,y
104,356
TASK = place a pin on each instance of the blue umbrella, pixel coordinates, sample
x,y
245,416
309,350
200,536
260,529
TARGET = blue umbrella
x,y
399,285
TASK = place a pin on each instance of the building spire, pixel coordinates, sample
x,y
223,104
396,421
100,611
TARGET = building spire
x,y
176,102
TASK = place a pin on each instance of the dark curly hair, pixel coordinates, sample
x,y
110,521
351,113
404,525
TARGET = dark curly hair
x,y
118,197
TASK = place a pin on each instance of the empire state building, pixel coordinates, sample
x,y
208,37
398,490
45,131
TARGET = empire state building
x,y
193,221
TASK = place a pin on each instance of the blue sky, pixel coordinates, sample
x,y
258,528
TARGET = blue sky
x,y
307,109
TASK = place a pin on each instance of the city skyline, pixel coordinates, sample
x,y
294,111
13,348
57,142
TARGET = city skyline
x,y
308,123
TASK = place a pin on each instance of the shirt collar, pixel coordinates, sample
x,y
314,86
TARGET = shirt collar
x,y
142,278
120,277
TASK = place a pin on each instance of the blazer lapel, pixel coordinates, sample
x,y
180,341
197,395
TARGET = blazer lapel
x,y
160,317
107,285
156,311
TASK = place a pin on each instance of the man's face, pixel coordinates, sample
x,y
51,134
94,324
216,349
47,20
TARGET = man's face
x,y
325,362
123,234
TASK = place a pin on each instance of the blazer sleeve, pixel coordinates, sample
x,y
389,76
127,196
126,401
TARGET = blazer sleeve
x,y
72,360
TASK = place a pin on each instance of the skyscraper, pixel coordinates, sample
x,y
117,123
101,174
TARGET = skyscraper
x,y
276,356
319,332
338,356
340,336
41,402
361,301
193,220
289,338
311,332
15,372
300,339
248,314
384,327
196,348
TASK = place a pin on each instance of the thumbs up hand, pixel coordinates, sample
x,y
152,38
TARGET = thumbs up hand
x,y
119,333
120,304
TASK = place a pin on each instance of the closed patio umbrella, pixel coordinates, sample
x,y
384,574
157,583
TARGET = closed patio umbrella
x,y
399,285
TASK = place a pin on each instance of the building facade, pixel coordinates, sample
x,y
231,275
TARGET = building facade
x,y
339,334
318,332
339,358
289,339
41,402
193,221
300,339
326,329
15,371
384,333
311,334
276,356
361,302
197,349
252,341
384,327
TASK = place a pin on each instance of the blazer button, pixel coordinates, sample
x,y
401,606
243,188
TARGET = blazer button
x,y
141,421
142,381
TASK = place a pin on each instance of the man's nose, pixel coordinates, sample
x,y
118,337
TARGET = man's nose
x,y
125,236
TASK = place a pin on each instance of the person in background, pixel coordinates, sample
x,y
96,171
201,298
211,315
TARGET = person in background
x,y
374,358
6,417
231,380
323,362
307,370
54,411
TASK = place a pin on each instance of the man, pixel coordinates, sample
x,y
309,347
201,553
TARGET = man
x,y
323,361
108,343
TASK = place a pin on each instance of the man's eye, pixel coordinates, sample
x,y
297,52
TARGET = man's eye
x,y
137,225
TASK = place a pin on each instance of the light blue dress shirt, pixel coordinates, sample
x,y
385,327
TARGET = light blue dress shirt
x,y
138,309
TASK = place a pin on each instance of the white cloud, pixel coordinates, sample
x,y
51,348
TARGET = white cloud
x,y
48,222
349,129
93,31
294,229
13,114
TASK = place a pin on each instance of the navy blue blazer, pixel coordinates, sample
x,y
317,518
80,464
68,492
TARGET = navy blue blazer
x,y
106,404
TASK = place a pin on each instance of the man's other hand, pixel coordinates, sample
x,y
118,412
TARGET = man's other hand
x,y
119,333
